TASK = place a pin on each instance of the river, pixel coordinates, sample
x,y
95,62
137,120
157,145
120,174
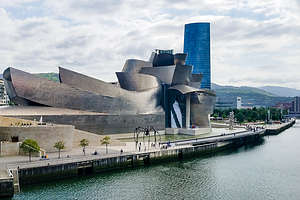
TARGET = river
x,y
268,170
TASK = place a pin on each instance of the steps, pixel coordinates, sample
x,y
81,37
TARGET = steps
x,y
15,175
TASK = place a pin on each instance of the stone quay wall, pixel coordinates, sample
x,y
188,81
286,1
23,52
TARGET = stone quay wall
x,y
45,135
104,123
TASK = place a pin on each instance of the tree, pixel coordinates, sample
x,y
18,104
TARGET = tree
x,y
84,143
59,145
106,141
240,117
30,146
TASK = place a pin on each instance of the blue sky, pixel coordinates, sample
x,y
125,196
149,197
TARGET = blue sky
x,y
254,43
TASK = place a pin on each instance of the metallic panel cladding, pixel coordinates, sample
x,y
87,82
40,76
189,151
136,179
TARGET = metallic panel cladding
x,y
144,88
137,81
45,92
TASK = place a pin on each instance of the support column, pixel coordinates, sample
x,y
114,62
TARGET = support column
x,y
187,110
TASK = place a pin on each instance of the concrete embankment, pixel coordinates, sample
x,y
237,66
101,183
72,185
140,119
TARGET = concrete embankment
x,y
51,170
6,184
276,129
46,170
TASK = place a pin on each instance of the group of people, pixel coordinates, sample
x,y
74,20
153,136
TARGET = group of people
x,y
139,144
254,128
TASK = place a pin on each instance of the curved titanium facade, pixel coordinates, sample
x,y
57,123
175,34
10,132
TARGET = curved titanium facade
x,y
146,101
49,93
202,102
136,81
164,74
135,65
197,46
144,91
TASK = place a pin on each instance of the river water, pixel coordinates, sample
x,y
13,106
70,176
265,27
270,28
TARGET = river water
x,y
268,170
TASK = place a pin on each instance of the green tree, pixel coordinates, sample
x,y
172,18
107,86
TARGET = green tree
x,y
106,141
254,115
59,146
84,143
240,117
29,146
224,116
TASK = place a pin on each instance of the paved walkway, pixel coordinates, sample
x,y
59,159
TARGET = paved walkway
x,y
77,153
219,138
82,158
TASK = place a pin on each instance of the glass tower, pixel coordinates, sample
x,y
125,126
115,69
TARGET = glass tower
x,y
197,46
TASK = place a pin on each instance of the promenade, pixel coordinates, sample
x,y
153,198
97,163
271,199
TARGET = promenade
x,y
173,145
129,148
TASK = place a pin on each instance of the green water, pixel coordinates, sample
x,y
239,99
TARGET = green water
x,y
269,170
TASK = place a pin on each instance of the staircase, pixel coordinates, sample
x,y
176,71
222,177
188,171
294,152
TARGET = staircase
x,y
15,174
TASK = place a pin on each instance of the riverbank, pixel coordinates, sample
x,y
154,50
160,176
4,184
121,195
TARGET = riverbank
x,y
40,171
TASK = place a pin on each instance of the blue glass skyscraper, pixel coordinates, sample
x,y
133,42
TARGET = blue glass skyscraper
x,y
197,46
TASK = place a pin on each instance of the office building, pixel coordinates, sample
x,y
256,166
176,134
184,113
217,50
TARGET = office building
x,y
197,48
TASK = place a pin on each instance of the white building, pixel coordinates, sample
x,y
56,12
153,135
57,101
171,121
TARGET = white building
x,y
239,102
4,100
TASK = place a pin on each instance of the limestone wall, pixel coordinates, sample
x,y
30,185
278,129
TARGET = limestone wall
x,y
103,124
45,135
9,148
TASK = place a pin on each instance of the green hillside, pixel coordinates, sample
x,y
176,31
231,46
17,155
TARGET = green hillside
x,y
244,90
50,76
251,96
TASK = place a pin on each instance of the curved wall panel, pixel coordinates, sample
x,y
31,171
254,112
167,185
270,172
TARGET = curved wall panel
x,y
134,65
165,74
201,107
137,81
45,92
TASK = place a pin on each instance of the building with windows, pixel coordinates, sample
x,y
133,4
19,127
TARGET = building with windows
x,y
295,106
197,47
238,102
4,100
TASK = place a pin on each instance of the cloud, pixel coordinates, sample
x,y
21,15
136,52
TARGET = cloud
x,y
253,42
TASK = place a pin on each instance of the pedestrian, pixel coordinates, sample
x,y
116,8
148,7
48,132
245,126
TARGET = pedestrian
x,y
121,151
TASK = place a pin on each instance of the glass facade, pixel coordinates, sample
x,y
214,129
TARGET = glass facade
x,y
197,46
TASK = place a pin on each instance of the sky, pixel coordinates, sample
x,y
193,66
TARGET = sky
x,y
253,43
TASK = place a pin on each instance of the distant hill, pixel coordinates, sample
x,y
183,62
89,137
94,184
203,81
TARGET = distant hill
x,y
50,76
282,91
251,96
242,90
